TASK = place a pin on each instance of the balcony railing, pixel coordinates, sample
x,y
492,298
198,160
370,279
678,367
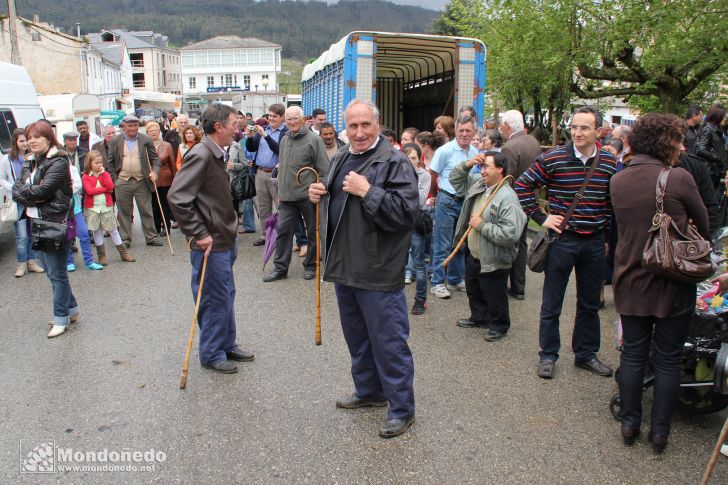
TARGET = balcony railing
x,y
139,84
137,63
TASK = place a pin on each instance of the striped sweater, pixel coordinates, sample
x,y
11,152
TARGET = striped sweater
x,y
563,173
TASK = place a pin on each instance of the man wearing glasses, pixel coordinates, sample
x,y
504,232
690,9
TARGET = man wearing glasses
x,y
580,245
298,148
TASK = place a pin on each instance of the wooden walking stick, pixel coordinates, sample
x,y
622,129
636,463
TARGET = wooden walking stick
x,y
716,454
186,363
164,220
317,338
467,231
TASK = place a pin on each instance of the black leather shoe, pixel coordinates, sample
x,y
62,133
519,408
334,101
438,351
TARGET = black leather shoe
x,y
395,427
629,435
353,402
658,441
596,366
493,335
309,275
259,242
155,242
517,296
240,356
224,366
468,323
546,369
274,276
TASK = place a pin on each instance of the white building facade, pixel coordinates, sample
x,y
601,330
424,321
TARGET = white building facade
x,y
216,69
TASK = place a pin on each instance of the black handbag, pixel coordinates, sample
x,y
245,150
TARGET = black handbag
x,y
242,185
538,251
48,236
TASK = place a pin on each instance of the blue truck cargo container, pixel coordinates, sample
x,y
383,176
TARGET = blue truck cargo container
x,y
412,78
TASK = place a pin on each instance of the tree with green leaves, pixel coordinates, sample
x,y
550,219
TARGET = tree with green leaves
x,y
656,54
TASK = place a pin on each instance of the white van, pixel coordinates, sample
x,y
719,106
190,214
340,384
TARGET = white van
x,y
18,102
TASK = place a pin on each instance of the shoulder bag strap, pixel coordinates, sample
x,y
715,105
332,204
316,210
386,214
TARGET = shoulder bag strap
x,y
660,191
579,195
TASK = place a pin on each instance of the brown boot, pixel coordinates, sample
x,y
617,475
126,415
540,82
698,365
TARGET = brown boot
x,y
101,255
124,253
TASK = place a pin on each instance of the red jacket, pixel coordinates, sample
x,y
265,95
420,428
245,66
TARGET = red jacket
x,y
90,189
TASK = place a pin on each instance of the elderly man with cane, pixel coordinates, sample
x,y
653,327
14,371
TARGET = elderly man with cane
x,y
369,204
205,215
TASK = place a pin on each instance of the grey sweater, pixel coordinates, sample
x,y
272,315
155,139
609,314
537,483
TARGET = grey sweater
x,y
298,150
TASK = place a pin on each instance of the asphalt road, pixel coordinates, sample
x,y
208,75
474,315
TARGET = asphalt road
x,y
111,383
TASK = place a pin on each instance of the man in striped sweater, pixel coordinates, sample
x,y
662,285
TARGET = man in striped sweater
x,y
581,244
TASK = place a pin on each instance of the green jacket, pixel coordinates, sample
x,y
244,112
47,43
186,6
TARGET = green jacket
x,y
503,220
295,151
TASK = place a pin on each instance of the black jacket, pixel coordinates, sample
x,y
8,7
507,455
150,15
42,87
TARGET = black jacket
x,y
50,190
371,239
697,168
710,145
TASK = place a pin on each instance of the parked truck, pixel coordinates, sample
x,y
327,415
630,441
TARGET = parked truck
x,y
412,78
18,102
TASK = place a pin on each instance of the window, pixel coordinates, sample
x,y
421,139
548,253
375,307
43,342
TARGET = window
x,y
7,125
137,60
193,83
138,79
210,81
246,81
228,80
213,59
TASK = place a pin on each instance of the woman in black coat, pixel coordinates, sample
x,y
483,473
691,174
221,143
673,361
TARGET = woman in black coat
x,y
44,188
710,145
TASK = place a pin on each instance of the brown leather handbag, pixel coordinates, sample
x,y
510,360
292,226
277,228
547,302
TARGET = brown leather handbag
x,y
670,253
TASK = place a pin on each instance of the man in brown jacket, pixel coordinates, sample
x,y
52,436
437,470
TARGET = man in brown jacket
x,y
134,167
206,216
521,150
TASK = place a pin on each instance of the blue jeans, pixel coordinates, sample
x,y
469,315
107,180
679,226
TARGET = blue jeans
x,y
248,215
447,212
376,327
216,317
586,256
23,244
667,343
85,241
301,236
419,269
64,303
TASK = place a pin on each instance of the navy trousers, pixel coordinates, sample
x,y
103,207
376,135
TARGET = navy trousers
x,y
376,328
216,317
585,254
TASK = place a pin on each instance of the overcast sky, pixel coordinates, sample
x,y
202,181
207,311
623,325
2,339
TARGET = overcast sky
x,y
431,4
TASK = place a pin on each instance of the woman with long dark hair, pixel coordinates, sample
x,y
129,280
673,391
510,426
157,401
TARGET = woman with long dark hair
x,y
44,188
655,311
710,146
11,166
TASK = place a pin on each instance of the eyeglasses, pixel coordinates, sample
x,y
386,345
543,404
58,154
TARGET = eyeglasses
x,y
581,128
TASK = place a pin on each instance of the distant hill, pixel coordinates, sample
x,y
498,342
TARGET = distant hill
x,y
304,29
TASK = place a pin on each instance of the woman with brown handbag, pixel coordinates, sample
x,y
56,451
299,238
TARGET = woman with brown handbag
x,y
655,310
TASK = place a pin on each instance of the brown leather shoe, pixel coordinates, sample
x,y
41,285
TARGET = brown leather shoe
x,y
546,369
395,427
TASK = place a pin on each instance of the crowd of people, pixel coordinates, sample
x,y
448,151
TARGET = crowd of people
x,y
445,209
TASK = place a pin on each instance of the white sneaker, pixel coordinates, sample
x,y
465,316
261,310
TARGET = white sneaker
x,y
459,287
407,280
440,291
56,331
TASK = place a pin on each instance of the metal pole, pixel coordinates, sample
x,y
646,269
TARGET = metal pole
x,y
12,21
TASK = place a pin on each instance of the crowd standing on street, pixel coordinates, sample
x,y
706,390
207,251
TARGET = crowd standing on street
x,y
394,210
